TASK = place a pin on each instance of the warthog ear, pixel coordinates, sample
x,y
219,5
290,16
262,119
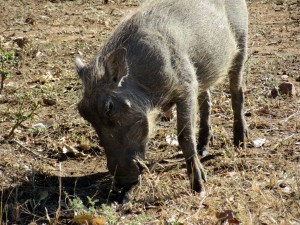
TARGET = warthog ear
x,y
115,65
79,66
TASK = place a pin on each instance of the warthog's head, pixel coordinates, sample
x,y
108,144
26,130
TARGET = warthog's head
x,y
121,125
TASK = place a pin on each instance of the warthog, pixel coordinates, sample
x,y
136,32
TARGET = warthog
x,y
166,53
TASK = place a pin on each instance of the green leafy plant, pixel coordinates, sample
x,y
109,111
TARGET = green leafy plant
x,y
6,58
92,204
23,114
77,205
109,213
92,211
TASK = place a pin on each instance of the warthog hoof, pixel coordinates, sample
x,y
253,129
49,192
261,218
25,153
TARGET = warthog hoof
x,y
196,173
203,152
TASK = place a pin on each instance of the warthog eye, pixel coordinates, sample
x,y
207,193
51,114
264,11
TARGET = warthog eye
x,y
115,79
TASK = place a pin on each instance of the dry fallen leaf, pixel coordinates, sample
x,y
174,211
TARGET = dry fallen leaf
x,y
87,219
172,139
47,78
228,174
259,142
264,110
85,145
227,215
97,221
69,149
82,219
42,124
21,41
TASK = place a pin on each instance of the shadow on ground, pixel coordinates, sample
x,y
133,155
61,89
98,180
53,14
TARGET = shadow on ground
x,y
43,197
40,197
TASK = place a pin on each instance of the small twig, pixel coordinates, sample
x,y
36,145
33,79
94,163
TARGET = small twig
x,y
2,75
19,122
2,82
1,204
47,215
291,116
282,140
12,131
27,149
142,164
58,211
7,28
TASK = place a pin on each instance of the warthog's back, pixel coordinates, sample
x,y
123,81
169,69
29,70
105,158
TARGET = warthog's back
x,y
160,33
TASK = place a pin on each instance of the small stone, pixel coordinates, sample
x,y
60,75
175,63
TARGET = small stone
x,y
285,77
49,102
282,185
259,142
38,54
298,79
274,92
279,2
30,21
285,88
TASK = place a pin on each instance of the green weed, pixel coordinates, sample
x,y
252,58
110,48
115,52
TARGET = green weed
x,y
7,58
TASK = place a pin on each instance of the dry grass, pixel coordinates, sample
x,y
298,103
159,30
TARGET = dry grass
x,y
52,163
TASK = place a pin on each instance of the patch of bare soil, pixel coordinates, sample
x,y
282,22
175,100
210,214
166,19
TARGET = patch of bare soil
x,y
52,167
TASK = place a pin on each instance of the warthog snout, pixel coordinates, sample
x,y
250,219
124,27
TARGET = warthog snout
x,y
126,181
125,173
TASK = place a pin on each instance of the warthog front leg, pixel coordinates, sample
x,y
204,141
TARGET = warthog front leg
x,y
205,134
186,125
237,98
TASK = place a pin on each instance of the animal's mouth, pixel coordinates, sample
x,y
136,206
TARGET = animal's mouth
x,y
126,181
123,194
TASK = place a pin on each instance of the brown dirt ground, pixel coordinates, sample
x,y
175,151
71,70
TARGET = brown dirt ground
x,y
260,185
